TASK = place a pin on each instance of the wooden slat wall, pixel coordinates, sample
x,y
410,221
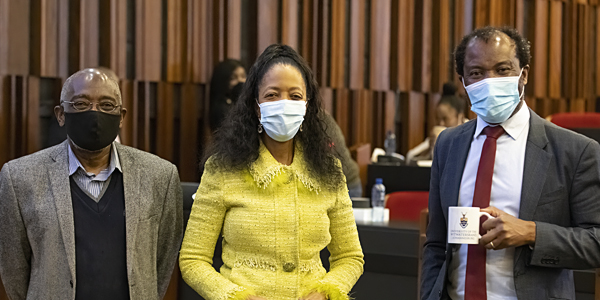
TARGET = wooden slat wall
x,y
380,64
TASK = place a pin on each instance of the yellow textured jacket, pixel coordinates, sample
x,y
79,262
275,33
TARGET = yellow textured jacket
x,y
275,219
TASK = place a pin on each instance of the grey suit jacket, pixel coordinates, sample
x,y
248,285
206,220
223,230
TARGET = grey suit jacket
x,y
561,193
37,240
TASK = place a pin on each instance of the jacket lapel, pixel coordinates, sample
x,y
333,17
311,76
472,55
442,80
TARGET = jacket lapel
x,y
455,163
58,173
131,184
534,170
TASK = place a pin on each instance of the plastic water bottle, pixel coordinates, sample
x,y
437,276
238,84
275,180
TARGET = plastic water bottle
x,y
390,143
377,200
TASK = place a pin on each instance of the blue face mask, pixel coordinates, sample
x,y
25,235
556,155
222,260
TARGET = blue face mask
x,y
494,99
281,119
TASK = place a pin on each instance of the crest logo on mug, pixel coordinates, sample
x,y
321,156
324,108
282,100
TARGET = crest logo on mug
x,y
464,221
460,230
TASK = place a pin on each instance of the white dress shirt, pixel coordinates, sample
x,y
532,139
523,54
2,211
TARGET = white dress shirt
x,y
506,196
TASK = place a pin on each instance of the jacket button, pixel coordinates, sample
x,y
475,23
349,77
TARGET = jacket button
x,y
71,283
289,267
440,294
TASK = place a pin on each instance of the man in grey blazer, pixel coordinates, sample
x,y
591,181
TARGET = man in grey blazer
x,y
545,187
89,218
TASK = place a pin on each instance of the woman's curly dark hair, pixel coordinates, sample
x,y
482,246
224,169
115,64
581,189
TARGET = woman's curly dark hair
x,y
236,142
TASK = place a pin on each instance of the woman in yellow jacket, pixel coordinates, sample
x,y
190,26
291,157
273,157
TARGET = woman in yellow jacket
x,y
274,189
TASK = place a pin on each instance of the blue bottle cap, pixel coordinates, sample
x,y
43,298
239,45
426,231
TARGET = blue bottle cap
x,y
378,181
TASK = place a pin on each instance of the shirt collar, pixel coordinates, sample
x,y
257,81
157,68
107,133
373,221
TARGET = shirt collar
x,y
514,126
266,167
114,163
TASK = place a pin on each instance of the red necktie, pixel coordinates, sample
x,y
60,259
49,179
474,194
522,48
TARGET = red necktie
x,y
475,282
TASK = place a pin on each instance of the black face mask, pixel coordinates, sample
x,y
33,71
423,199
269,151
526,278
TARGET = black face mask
x,y
235,92
92,130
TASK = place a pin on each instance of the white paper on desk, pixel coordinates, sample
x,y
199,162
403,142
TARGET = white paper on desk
x,y
366,214
424,163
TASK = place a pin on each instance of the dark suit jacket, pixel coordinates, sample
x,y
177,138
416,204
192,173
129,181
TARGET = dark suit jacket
x,y
37,238
561,193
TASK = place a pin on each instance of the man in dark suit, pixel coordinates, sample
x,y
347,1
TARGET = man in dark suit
x,y
89,218
539,181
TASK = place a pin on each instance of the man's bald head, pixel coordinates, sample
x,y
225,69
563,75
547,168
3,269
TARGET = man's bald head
x,y
90,77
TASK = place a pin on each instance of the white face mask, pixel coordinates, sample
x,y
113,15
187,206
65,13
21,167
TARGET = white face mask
x,y
281,119
494,99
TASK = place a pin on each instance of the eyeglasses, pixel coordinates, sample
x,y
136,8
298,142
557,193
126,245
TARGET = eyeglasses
x,y
85,105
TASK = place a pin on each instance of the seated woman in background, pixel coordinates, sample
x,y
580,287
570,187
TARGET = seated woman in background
x,y
225,85
274,190
449,113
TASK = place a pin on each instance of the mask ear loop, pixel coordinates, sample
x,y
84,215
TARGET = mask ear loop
x,y
522,93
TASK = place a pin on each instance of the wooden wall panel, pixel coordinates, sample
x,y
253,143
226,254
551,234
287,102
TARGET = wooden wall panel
x,y
380,45
499,12
188,142
44,38
217,29
481,12
267,24
342,113
198,50
142,93
176,40
338,43
401,46
379,131
569,58
118,38
148,28
14,36
5,117
363,53
422,46
126,133
234,29
555,49
583,61
165,116
597,52
441,52
17,129
307,38
361,116
539,61
431,118
357,44
32,108
89,26
289,23
412,108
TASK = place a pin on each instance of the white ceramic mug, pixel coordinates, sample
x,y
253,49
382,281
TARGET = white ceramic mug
x,y
463,224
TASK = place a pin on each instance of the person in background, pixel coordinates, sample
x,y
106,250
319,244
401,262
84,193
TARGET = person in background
x,y
89,218
274,190
540,182
225,85
449,112
349,166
